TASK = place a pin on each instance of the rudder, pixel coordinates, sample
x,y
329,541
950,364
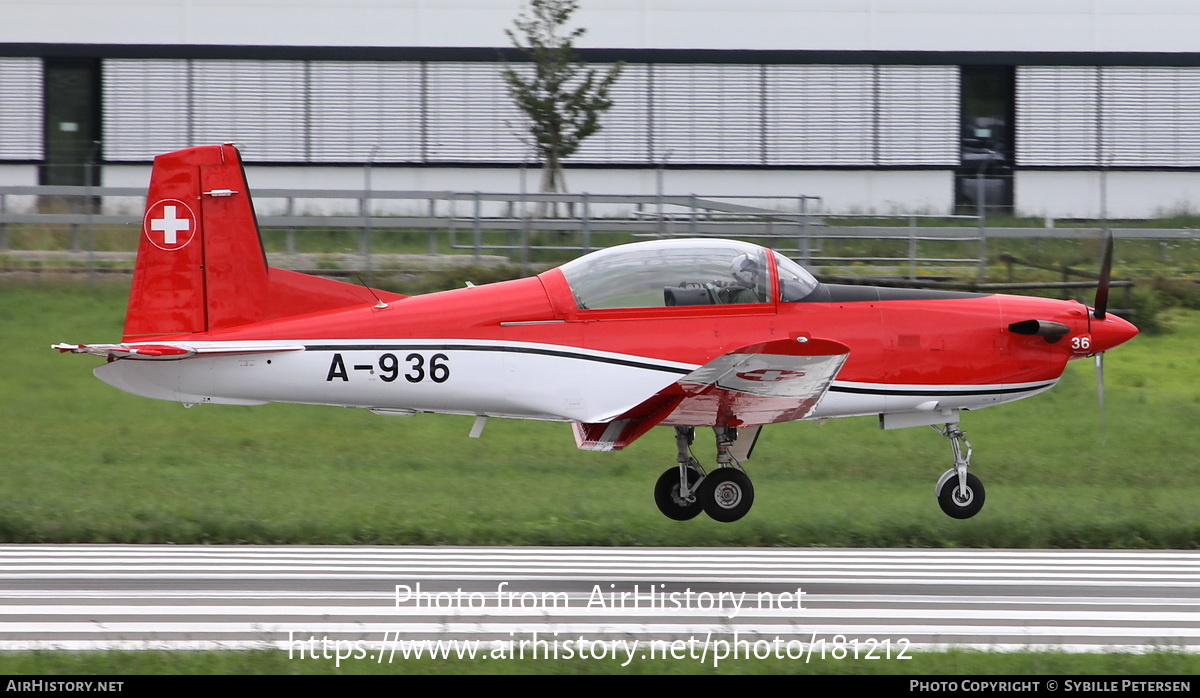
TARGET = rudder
x,y
200,263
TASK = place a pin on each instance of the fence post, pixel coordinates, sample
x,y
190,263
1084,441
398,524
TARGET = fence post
x,y
981,214
478,224
912,248
509,239
365,204
3,226
658,186
290,240
660,227
587,221
805,251
364,234
73,202
91,240
525,244
451,224
90,180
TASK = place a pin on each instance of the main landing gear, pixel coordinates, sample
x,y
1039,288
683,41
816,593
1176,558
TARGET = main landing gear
x,y
685,490
726,494
959,493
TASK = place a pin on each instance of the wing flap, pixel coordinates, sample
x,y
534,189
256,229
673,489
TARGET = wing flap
x,y
625,429
777,381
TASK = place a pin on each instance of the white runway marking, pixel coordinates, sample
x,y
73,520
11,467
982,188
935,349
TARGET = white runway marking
x,y
225,597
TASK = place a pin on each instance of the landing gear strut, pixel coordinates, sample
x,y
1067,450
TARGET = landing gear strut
x,y
959,493
676,490
725,494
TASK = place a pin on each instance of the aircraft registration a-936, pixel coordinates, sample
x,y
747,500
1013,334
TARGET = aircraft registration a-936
x,y
682,333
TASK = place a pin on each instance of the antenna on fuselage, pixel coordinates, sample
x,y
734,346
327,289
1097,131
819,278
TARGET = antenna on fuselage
x,y
379,305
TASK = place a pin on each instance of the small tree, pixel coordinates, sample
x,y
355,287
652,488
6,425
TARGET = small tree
x,y
562,98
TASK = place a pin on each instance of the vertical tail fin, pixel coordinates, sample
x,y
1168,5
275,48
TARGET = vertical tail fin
x,y
200,263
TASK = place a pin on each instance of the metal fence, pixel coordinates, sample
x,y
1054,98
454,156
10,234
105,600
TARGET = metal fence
x,y
366,229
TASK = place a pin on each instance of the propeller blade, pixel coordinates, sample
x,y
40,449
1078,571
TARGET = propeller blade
x,y
1100,388
1101,304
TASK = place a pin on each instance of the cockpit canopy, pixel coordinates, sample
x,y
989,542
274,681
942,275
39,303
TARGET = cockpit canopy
x,y
663,273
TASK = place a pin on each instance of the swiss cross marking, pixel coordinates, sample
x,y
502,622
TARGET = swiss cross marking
x,y
770,375
170,224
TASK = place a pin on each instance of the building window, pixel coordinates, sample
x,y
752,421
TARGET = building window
x,y
72,121
1111,116
984,177
457,112
21,109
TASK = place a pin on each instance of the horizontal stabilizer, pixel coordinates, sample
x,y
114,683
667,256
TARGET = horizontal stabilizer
x,y
171,352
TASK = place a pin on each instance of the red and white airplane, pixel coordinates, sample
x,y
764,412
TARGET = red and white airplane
x,y
680,333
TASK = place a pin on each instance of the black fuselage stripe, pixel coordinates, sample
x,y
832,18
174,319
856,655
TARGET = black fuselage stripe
x,y
508,350
934,392
931,392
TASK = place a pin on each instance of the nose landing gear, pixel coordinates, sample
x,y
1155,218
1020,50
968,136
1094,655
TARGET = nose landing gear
x,y
959,493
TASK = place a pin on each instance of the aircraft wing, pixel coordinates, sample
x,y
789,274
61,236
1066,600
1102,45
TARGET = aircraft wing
x,y
172,351
777,381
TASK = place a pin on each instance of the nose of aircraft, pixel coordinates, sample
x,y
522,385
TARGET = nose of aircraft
x,y
1110,332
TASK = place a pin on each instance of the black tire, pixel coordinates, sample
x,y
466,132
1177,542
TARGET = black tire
x,y
727,494
958,506
666,495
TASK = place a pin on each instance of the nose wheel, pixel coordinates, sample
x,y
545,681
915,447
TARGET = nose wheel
x,y
960,494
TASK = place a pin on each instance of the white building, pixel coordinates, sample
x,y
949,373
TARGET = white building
x,y
873,105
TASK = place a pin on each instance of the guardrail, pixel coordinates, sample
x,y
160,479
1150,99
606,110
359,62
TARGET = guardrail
x,y
484,224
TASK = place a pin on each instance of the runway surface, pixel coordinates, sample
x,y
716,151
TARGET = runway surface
x,y
380,600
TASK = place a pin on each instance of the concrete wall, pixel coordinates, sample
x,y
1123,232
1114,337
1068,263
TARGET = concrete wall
x,y
18,175
1066,194
920,25
914,25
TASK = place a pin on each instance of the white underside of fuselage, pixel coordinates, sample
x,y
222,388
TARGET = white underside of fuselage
x,y
481,377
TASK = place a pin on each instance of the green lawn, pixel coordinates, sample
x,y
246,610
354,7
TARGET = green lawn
x,y
87,463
